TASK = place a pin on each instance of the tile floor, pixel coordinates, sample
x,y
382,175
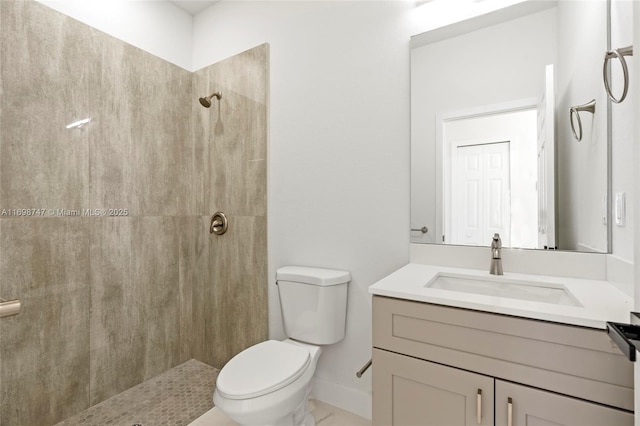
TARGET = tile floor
x,y
174,398
182,396
325,415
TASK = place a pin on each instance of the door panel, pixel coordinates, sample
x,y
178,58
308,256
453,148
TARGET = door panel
x,y
534,407
408,391
546,164
481,194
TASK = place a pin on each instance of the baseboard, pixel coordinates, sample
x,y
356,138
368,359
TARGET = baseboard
x,y
349,399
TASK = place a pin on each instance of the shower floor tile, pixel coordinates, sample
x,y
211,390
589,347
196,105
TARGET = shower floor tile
x,y
174,398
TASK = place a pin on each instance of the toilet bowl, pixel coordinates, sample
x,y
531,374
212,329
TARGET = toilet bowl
x,y
269,383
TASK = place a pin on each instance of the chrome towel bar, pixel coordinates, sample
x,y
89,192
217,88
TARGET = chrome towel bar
x,y
9,308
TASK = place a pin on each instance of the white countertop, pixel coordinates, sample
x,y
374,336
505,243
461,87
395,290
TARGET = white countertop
x,y
600,300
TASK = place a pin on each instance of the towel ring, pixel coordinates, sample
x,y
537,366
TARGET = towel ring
x,y
619,54
575,111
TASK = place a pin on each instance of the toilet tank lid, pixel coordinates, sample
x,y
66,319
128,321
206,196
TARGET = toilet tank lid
x,y
315,276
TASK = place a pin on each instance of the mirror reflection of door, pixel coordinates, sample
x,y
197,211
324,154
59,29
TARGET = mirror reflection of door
x,y
491,174
481,204
546,158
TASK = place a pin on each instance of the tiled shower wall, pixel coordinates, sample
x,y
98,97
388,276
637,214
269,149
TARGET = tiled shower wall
x,y
231,163
110,301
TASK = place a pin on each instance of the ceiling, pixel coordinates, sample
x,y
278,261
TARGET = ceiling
x,y
193,7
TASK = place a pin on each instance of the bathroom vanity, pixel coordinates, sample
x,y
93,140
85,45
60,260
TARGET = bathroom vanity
x,y
449,354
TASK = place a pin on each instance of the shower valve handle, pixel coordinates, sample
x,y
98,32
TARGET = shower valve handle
x,y
219,223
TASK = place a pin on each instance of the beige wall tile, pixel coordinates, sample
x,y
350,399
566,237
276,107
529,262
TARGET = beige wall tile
x,y
230,146
238,297
192,271
235,131
155,271
116,93
201,118
44,87
117,336
162,146
202,312
230,302
44,349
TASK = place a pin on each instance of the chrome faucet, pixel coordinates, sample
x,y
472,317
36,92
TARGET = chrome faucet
x,y
496,258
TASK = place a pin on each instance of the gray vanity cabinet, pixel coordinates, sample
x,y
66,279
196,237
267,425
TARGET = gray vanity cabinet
x,y
430,361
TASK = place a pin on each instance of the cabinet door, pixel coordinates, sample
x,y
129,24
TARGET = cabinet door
x,y
534,407
409,391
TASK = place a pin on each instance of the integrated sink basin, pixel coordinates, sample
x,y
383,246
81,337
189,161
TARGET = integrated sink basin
x,y
500,286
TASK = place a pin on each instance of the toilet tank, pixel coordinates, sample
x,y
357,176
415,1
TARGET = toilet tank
x,y
313,303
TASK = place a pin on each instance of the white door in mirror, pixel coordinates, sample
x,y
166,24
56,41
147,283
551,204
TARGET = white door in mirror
x,y
481,204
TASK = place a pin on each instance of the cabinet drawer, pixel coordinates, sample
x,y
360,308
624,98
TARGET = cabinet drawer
x,y
576,361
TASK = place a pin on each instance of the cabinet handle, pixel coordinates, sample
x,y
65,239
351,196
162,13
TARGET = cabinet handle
x,y
509,411
479,407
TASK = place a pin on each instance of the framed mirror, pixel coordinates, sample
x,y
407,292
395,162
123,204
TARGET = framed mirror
x,y
493,145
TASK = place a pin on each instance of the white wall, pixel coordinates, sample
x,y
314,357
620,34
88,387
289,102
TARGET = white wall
x,y
581,166
157,27
339,151
622,118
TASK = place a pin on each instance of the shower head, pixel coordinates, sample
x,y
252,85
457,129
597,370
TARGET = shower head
x,y
206,101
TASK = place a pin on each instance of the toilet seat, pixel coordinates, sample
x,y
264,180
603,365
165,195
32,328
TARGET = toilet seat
x,y
262,369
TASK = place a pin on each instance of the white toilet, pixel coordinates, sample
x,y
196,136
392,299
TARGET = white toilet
x,y
269,383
